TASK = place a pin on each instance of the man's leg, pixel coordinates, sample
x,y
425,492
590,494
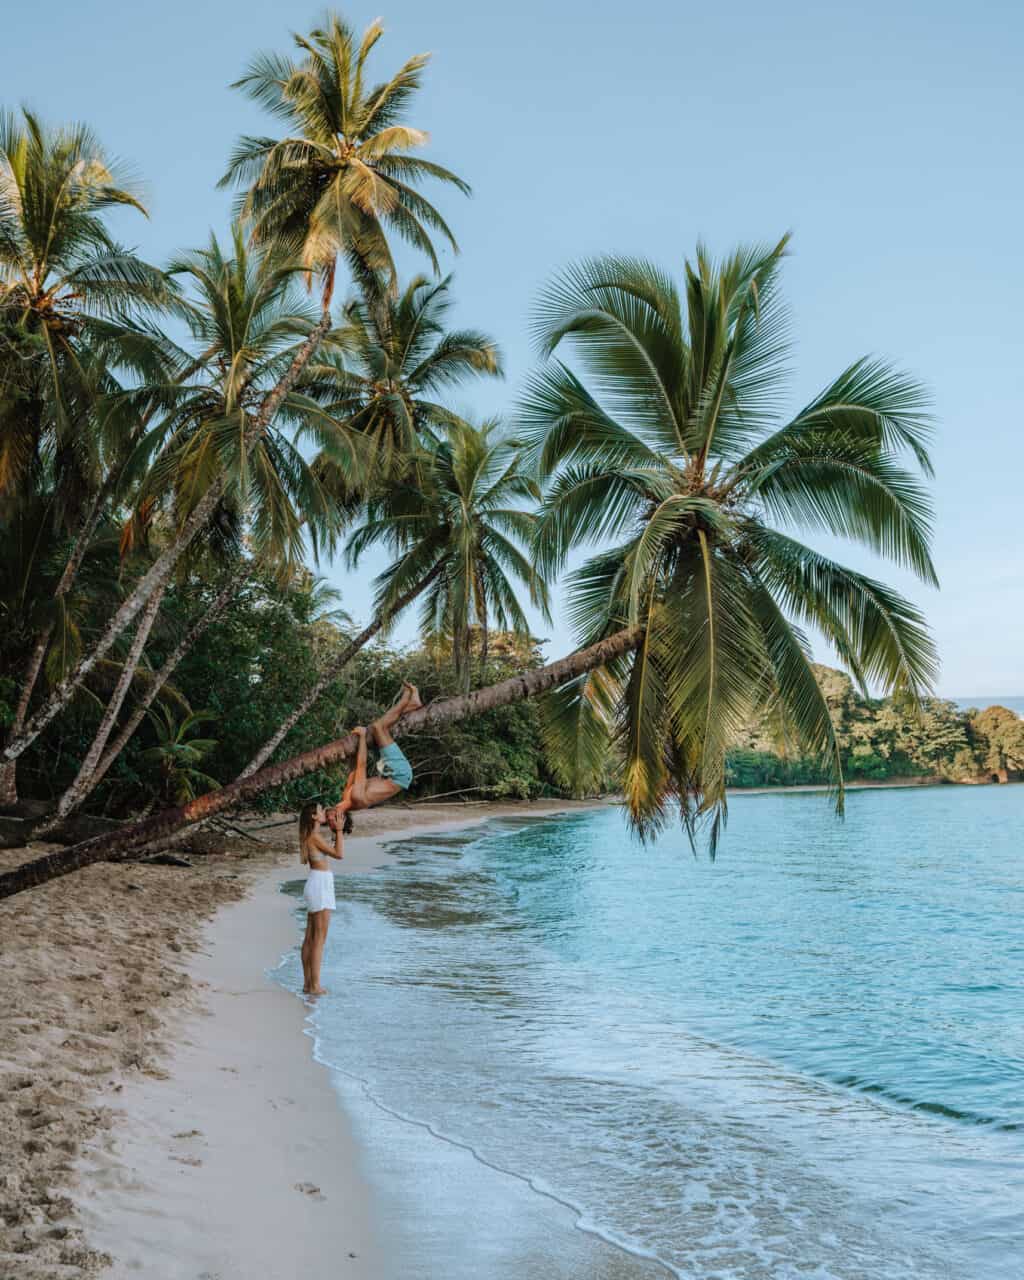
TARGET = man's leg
x,y
381,728
398,774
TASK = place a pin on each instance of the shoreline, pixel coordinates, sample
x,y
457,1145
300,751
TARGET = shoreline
x,y
156,1114
162,1111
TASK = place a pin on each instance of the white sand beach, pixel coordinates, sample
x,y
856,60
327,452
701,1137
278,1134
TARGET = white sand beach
x,y
162,1113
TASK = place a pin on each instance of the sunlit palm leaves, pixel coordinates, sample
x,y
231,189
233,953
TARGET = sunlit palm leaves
x,y
462,516
346,173
668,443
68,293
247,314
399,364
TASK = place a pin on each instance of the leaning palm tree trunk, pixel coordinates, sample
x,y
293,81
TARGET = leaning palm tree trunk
x,y
527,684
333,670
163,566
83,782
163,675
8,770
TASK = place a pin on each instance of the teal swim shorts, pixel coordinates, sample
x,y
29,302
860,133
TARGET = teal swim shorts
x,y
392,764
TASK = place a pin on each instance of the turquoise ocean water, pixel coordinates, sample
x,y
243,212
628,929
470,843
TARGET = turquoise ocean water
x,y
567,1055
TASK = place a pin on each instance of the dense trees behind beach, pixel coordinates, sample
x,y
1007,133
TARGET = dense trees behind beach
x,y
186,445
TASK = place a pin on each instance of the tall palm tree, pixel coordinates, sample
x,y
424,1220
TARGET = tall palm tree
x,y
401,363
344,175
246,315
456,525
669,444
468,511
67,294
309,201
686,460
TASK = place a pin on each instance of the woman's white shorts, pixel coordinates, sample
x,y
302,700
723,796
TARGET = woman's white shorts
x,y
318,894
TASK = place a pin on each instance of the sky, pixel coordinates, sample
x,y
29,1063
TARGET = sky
x,y
885,136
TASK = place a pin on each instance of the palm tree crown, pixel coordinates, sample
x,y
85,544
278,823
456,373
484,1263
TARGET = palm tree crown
x,y
344,173
399,361
669,444
66,292
460,521
247,315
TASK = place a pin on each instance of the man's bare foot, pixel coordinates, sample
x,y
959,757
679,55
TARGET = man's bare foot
x,y
414,701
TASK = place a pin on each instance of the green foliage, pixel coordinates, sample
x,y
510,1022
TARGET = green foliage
x,y
243,677
880,739
667,440
1000,735
177,755
345,174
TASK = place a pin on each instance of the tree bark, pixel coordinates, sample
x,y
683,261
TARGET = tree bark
x,y
527,684
163,675
9,768
333,670
84,779
164,565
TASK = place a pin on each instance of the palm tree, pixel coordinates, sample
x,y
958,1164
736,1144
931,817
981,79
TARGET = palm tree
x,y
675,453
246,316
178,755
67,291
344,175
464,511
400,364
686,460
247,319
456,528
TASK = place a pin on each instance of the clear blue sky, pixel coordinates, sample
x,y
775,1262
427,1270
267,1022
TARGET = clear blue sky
x,y
885,136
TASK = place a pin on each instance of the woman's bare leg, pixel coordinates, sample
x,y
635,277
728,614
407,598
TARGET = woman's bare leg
x,y
307,954
321,923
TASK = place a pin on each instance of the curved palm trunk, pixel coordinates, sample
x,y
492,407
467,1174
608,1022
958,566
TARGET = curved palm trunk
x,y
333,670
162,568
163,675
9,768
84,779
527,684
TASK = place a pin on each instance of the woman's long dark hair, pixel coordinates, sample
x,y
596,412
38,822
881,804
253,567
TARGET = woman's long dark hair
x,y
307,825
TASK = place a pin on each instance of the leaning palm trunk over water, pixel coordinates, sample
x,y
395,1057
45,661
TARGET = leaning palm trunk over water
x,y
161,570
334,670
527,684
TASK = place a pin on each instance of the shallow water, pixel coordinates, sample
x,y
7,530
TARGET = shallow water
x,y
568,1055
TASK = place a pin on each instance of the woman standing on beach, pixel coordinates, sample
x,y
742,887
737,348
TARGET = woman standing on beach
x,y
319,891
